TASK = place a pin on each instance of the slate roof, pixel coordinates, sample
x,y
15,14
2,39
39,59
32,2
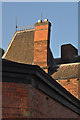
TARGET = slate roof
x,y
64,71
21,47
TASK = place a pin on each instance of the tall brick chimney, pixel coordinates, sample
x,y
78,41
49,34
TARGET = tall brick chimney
x,y
42,53
32,46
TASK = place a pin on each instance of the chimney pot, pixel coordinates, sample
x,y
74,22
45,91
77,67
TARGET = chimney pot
x,y
39,21
45,20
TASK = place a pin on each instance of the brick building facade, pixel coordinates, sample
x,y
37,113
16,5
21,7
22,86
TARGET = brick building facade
x,y
29,92
32,47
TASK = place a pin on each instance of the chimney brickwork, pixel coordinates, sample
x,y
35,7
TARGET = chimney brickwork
x,y
41,44
32,46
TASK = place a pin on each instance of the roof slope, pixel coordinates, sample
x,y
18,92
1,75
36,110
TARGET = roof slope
x,y
21,47
64,71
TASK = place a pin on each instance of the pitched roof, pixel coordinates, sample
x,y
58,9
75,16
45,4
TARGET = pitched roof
x,y
21,47
64,71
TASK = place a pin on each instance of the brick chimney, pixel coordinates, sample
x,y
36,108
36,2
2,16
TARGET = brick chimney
x,y
42,51
68,52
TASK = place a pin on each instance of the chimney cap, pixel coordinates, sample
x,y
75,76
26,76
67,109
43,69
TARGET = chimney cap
x,y
39,21
45,20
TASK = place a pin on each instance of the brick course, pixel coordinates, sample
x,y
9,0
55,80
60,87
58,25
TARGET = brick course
x,y
41,43
16,101
28,92
25,101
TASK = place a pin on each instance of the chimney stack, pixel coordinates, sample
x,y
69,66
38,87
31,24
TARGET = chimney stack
x,y
68,52
41,44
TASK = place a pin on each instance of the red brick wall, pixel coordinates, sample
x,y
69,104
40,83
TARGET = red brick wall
x,y
25,101
41,43
44,106
71,85
15,100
